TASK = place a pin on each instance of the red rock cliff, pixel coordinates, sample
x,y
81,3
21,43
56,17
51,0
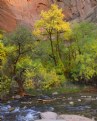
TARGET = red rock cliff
x,y
27,11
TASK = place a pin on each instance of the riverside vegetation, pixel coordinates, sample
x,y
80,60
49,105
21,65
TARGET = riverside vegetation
x,y
53,55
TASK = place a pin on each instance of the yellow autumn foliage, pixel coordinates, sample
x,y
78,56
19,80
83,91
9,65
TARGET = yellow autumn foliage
x,y
51,21
2,54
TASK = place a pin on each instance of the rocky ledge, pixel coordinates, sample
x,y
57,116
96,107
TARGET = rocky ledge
x,y
51,116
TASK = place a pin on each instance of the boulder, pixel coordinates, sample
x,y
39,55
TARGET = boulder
x,y
74,118
11,109
49,115
71,103
55,93
17,97
49,120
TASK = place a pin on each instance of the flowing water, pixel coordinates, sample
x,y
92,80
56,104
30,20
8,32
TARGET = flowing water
x,y
29,108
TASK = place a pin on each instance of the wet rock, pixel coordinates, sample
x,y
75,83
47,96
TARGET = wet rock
x,y
83,96
9,102
71,103
70,98
55,93
11,109
93,99
79,100
24,107
17,109
51,109
49,115
8,106
44,97
1,117
17,97
89,96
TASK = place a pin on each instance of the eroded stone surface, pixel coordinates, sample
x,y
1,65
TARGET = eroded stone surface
x,y
7,18
27,11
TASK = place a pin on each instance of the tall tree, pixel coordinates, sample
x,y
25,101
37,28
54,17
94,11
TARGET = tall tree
x,y
52,24
19,46
83,51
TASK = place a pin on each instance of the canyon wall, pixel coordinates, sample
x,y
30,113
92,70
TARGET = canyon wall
x,y
13,12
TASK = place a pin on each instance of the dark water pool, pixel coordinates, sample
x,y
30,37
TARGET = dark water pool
x,y
28,108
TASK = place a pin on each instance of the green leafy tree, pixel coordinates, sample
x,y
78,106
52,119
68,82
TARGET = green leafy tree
x,y
19,45
1,34
2,54
46,78
4,80
5,84
83,51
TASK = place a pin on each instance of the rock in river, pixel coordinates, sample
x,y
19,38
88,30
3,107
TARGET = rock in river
x,y
74,118
48,115
51,116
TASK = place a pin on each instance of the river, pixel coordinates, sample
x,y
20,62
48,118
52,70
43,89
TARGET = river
x,y
29,108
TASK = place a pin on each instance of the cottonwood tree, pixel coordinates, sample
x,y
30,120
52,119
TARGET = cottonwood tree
x,y
19,46
52,25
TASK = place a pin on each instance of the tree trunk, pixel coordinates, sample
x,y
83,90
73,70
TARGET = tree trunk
x,y
57,46
21,89
55,62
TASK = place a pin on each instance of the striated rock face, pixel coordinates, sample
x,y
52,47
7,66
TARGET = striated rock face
x,y
7,18
27,11
80,9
